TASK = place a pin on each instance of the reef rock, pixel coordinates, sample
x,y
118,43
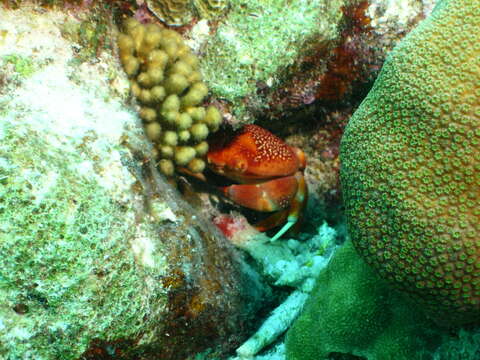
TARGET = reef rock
x,y
410,166
99,256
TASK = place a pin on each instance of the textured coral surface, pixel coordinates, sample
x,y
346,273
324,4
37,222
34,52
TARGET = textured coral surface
x,y
180,12
353,311
258,42
410,168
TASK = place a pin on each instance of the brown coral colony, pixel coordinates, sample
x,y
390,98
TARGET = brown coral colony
x,y
166,80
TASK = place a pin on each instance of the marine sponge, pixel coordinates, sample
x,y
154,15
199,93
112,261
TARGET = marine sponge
x,y
411,161
166,80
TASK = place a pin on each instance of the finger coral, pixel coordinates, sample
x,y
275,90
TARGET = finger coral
x,y
166,80
411,161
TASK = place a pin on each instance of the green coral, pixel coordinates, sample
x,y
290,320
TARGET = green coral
x,y
260,39
410,165
166,80
67,270
352,311
466,346
91,35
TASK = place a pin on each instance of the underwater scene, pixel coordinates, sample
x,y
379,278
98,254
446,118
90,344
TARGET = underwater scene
x,y
239,180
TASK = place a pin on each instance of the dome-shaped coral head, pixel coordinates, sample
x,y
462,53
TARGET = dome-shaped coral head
x,y
252,154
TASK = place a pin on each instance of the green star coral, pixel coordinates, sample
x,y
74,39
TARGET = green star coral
x,y
410,165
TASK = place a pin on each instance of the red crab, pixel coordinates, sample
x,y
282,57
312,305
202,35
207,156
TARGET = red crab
x,y
269,173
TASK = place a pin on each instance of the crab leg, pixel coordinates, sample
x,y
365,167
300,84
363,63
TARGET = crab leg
x,y
296,207
286,195
272,221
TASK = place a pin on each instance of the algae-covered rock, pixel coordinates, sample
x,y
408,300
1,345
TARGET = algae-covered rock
x,y
352,311
98,255
410,165
274,58
258,41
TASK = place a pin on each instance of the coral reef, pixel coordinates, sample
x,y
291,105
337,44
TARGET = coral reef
x,y
326,74
167,82
278,33
410,166
181,12
99,257
352,311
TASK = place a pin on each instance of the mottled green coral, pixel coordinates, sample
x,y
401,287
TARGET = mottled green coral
x,y
67,270
91,34
258,40
411,161
352,311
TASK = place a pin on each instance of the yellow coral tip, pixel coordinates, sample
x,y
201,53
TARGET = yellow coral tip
x,y
199,131
183,155
166,167
201,148
196,165
153,131
147,114
170,138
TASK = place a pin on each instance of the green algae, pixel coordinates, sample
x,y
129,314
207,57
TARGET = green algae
x,y
22,65
68,274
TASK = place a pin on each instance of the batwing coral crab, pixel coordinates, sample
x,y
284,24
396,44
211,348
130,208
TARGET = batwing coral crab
x,y
269,173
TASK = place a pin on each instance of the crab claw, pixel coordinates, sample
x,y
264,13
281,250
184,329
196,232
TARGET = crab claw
x,y
285,195
268,196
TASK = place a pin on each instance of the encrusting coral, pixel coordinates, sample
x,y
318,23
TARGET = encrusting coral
x,y
166,81
410,166
352,311
180,12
